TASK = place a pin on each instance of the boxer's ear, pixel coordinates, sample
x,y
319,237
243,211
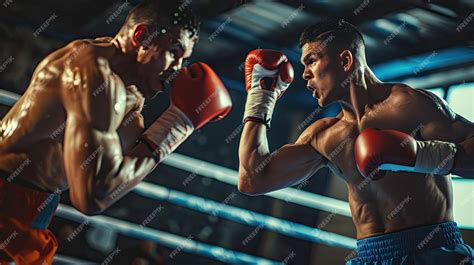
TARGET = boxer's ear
x,y
347,60
139,35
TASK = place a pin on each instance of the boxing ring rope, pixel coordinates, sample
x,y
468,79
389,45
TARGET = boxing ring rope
x,y
8,98
204,205
163,238
244,216
229,176
66,260
231,213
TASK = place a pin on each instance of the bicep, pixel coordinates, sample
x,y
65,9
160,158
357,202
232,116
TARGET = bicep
x,y
293,163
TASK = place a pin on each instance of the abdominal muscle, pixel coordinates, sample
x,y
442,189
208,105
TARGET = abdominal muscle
x,y
399,201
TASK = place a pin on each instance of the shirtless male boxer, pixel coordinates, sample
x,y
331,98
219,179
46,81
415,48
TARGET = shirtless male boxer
x,y
78,125
401,217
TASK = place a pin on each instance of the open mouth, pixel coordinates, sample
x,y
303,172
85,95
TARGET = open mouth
x,y
314,92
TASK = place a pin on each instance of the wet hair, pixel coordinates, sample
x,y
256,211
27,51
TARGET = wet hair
x,y
163,15
344,35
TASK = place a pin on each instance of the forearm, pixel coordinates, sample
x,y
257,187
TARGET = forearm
x,y
253,149
116,176
464,159
136,164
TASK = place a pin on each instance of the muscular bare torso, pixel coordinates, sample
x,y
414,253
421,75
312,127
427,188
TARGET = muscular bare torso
x,y
32,132
399,200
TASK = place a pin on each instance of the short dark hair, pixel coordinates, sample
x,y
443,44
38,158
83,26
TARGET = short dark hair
x,y
164,14
344,34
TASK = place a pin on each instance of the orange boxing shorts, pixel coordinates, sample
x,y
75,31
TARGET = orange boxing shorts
x,y
24,217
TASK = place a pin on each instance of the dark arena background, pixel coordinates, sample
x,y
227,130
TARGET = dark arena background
x,y
189,210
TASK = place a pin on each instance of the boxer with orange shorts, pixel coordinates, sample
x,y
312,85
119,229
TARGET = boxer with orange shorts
x,y
79,126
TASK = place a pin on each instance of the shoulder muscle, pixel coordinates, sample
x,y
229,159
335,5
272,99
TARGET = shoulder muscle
x,y
311,132
95,93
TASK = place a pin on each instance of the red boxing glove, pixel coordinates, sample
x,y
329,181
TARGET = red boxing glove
x,y
397,151
198,96
273,67
268,74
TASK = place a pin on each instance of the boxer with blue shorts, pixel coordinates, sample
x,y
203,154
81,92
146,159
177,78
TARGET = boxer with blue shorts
x,y
431,244
395,147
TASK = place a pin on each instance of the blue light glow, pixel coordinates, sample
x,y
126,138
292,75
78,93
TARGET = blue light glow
x,y
461,100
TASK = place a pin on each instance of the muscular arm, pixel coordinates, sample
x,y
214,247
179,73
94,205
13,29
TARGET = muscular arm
x,y
441,123
261,171
97,171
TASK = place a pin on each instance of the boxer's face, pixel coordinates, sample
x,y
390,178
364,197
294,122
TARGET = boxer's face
x,y
324,72
161,58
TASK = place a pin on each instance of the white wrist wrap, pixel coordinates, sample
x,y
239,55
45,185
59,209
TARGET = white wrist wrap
x,y
435,157
169,131
260,104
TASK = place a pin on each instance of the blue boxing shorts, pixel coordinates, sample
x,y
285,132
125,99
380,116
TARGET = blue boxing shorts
x,y
427,245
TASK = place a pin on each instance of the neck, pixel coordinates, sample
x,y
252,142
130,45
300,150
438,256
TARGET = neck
x,y
123,60
362,88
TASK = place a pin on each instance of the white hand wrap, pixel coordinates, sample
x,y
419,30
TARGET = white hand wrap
x,y
435,157
261,102
168,132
